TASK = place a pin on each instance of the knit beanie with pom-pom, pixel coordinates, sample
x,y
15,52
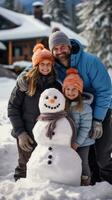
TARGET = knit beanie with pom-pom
x,y
58,37
74,79
40,53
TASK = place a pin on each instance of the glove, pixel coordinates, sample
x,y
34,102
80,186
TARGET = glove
x,y
25,142
75,146
96,130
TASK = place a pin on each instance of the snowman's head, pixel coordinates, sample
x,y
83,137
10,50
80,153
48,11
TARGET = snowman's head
x,y
51,101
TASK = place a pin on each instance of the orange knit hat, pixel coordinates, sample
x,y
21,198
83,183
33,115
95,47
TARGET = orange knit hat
x,y
40,54
73,78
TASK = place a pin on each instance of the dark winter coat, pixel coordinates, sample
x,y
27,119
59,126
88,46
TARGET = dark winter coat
x,y
23,110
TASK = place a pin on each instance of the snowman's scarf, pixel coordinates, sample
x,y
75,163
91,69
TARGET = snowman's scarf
x,y
53,118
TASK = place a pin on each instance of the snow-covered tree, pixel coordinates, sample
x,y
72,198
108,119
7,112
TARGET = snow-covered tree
x,y
74,18
14,5
58,11
96,26
9,4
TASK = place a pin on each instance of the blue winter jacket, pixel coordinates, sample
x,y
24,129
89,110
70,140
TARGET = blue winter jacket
x,y
94,74
83,120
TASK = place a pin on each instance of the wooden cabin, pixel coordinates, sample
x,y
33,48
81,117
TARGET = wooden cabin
x,y
19,33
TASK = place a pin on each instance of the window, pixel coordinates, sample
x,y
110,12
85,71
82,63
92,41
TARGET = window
x,y
17,51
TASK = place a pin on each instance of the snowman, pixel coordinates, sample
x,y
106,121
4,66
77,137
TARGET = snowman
x,y
53,159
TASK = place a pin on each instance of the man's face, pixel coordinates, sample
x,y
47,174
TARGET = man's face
x,y
61,52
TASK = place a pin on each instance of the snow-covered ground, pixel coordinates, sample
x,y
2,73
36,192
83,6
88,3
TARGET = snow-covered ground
x,y
23,190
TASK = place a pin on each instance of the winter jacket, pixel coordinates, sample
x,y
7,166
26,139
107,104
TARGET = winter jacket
x,y
83,120
23,109
95,77
111,93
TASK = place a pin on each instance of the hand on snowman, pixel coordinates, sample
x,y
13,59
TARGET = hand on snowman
x,y
25,142
75,146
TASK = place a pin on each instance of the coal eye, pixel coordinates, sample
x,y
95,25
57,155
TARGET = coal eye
x,y
55,97
47,97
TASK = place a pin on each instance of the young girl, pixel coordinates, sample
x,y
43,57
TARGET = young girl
x,y
79,105
23,104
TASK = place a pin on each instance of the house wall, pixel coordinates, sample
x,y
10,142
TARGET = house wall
x,y
20,50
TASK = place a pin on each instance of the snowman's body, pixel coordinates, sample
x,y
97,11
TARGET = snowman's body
x,y
54,159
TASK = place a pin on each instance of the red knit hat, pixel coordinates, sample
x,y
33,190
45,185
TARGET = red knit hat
x,y
73,78
40,54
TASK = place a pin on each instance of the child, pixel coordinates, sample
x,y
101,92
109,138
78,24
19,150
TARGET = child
x,y
23,104
82,114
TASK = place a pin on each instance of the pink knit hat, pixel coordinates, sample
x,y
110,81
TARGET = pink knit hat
x,y
73,78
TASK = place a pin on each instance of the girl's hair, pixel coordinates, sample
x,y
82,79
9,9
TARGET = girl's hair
x,y
31,78
78,106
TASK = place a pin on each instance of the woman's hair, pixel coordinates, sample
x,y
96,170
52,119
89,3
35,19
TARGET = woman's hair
x,y
32,76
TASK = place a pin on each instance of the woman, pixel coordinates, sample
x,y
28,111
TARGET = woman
x,y
23,104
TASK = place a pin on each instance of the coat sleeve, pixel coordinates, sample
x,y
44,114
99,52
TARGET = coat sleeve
x,y
21,82
83,123
101,86
15,111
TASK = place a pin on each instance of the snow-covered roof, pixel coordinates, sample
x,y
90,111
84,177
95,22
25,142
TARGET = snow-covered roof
x,y
29,27
2,46
69,33
38,3
47,15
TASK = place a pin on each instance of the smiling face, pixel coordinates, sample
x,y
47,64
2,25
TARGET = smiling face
x,y
45,67
61,52
71,92
51,101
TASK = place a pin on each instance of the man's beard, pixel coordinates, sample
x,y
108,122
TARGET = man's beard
x,y
63,56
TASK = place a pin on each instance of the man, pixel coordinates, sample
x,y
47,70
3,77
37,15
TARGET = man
x,y
69,53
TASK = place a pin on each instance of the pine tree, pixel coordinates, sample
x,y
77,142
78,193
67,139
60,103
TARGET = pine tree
x,y
14,5
96,27
75,19
9,4
58,11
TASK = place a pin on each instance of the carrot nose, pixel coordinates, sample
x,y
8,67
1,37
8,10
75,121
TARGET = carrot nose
x,y
51,101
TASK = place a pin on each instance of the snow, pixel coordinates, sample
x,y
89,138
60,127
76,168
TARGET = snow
x,y
29,27
2,46
23,190
37,3
22,64
110,73
94,22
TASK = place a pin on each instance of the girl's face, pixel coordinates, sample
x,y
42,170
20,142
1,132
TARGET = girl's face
x,y
71,92
45,67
